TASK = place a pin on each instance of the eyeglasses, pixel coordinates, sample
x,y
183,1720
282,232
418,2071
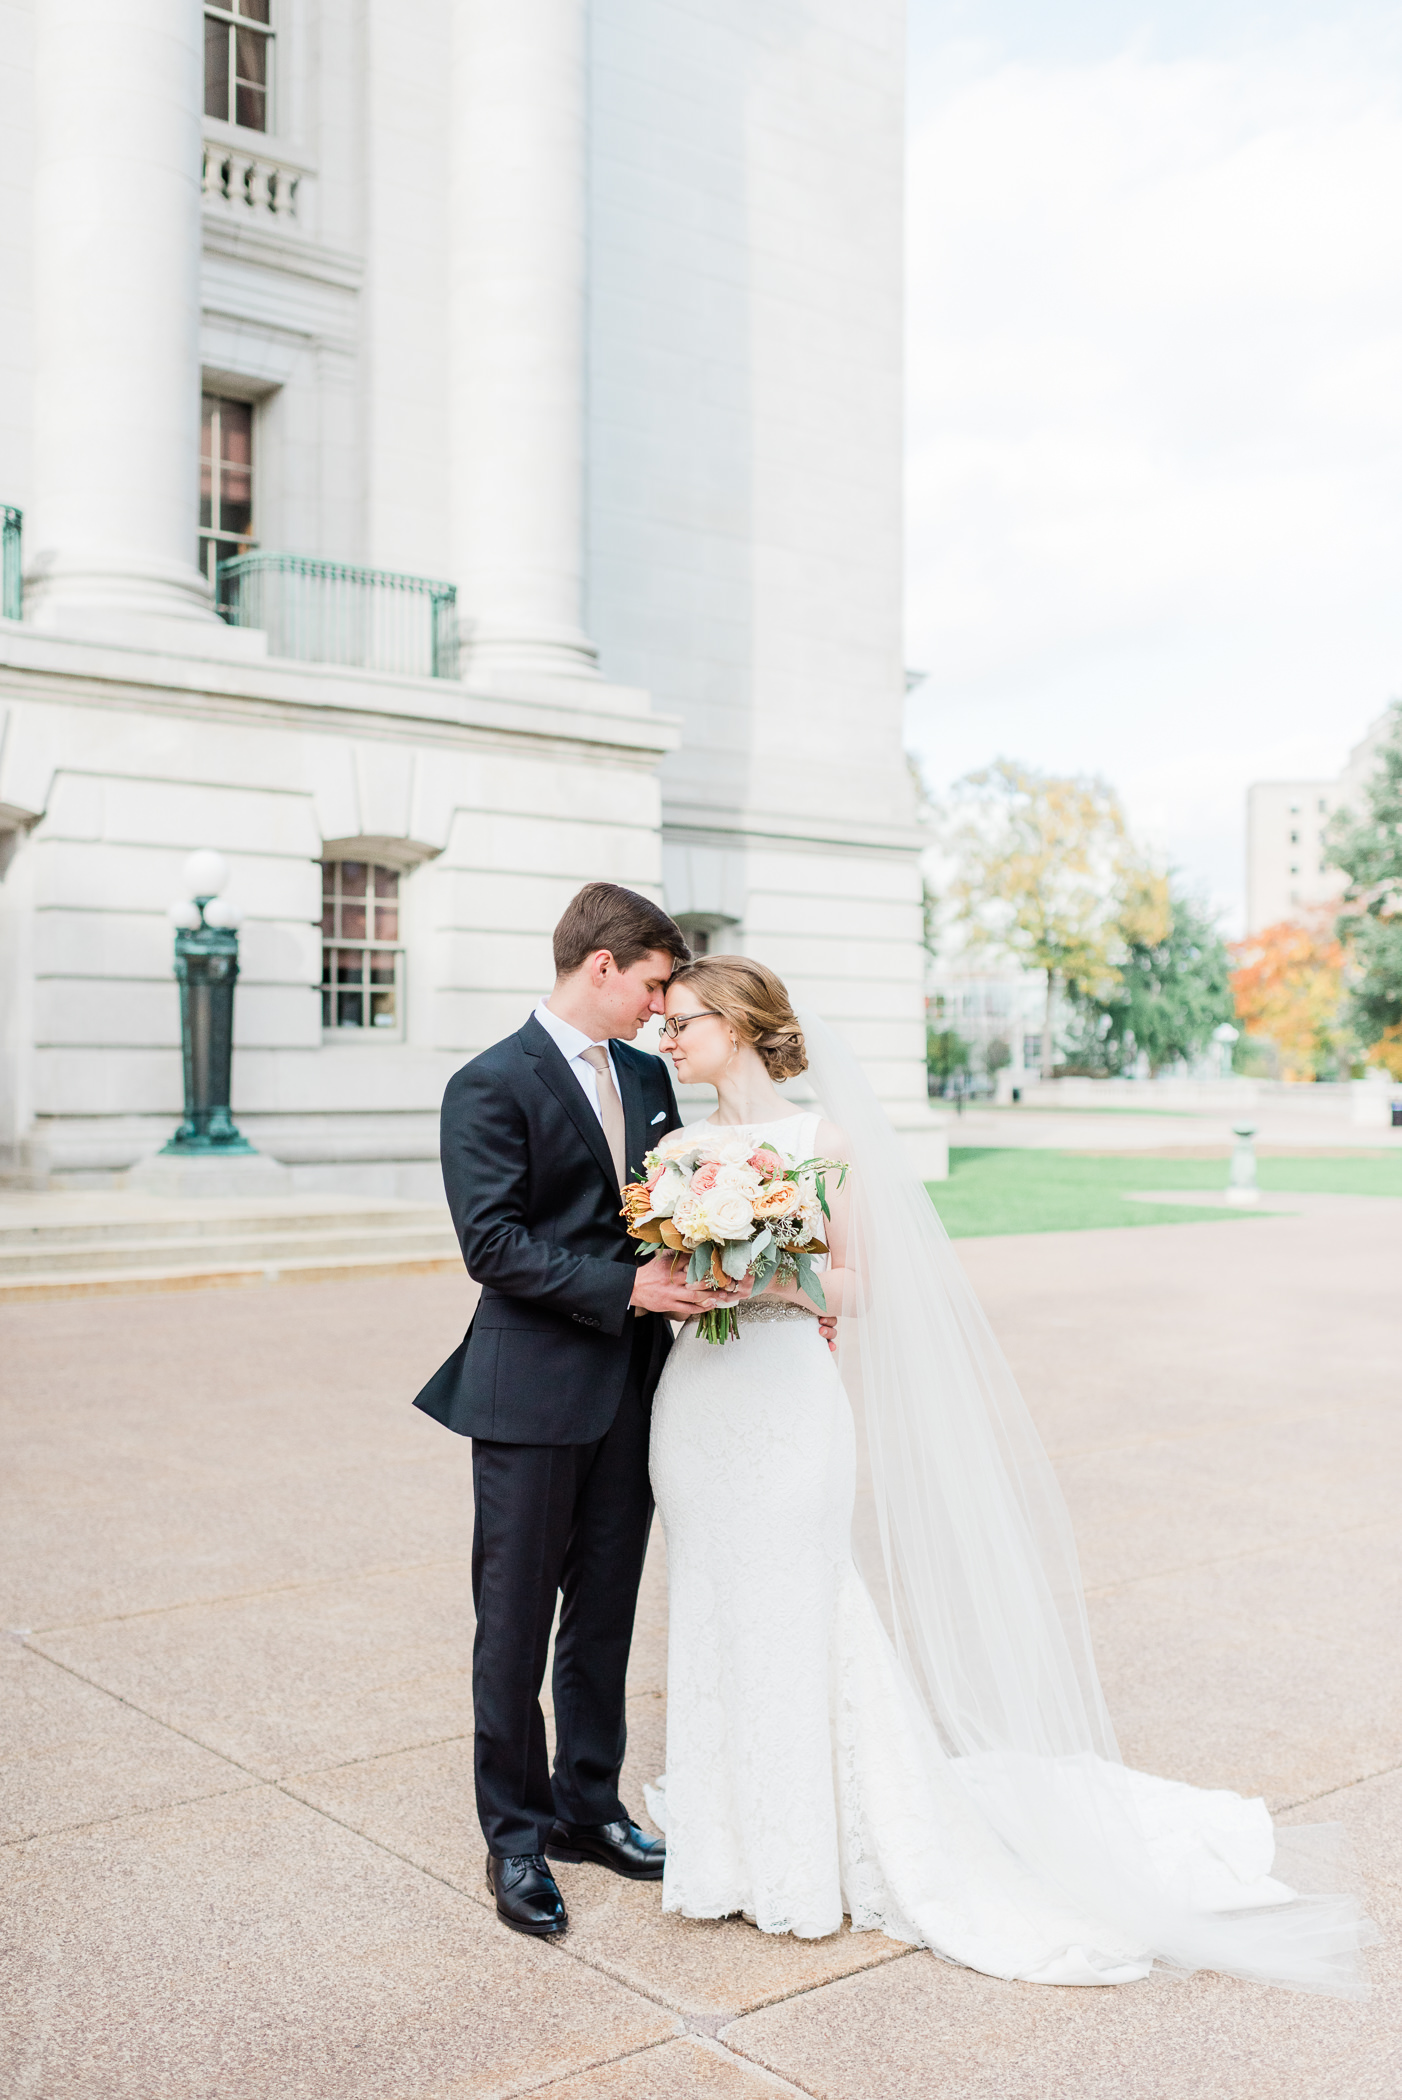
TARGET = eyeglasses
x,y
675,1023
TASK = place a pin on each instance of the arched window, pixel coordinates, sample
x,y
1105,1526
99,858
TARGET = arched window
x,y
362,959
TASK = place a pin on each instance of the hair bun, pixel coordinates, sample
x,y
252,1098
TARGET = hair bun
x,y
784,1052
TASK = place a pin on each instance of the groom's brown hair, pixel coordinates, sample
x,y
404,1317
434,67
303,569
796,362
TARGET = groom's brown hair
x,y
629,926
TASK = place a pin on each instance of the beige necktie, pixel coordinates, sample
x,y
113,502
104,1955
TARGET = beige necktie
x,y
610,1108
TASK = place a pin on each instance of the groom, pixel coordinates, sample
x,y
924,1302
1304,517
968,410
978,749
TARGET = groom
x,y
554,1383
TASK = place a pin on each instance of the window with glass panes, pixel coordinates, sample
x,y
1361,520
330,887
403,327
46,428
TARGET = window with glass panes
x,y
362,964
226,481
238,50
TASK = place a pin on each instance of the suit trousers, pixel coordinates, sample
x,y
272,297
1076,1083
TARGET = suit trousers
x,y
572,1520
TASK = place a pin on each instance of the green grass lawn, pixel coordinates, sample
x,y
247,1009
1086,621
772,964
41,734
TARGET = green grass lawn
x,y
1062,1108
1006,1189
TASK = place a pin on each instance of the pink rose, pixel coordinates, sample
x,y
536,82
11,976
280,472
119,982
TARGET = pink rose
x,y
766,1162
705,1177
656,1175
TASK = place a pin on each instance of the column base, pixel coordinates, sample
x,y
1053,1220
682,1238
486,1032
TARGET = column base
x,y
527,663
96,597
208,1174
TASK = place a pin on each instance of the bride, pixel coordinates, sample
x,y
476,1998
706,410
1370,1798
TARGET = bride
x,y
930,1754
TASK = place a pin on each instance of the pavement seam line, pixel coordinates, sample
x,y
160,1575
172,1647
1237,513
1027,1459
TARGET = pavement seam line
x,y
262,1778
1343,1787
316,1809
776,2083
752,2064
155,1808
1227,1560
562,1947
1203,1432
277,1589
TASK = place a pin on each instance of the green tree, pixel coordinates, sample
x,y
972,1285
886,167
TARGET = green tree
x,y
1368,848
946,1054
1172,992
1047,874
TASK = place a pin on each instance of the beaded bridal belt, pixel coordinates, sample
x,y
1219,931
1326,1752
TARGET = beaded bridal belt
x,y
772,1309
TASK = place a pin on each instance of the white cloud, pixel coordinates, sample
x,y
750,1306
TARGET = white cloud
x,y
1156,424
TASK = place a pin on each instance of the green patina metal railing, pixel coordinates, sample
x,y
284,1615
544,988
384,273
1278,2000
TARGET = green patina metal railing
x,y
11,585
328,613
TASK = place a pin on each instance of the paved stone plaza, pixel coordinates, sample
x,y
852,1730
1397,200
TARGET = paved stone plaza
x,y
237,1785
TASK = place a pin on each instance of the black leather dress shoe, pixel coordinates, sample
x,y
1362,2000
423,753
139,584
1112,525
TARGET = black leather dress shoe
x,y
621,1847
528,1899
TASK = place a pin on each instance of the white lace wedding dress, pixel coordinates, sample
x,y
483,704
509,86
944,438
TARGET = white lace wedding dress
x,y
804,1777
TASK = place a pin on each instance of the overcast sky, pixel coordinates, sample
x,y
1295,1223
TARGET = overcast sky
x,y
1155,397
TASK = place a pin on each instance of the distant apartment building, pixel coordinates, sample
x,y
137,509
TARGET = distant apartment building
x,y
1001,1010
1288,870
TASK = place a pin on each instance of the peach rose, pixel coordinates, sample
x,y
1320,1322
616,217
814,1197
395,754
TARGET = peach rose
x,y
780,1200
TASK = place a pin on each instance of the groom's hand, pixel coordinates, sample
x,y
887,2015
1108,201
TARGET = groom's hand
x,y
660,1286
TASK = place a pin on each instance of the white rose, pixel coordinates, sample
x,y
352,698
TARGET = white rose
x,y
687,1218
728,1214
668,1192
737,1175
677,1144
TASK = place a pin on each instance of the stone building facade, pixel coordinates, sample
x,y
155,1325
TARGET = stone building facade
x,y
538,367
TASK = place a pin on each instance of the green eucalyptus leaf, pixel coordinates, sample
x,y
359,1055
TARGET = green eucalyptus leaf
x,y
808,1281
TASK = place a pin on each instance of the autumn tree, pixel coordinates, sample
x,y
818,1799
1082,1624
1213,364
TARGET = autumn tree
x,y
1289,989
1368,848
1047,875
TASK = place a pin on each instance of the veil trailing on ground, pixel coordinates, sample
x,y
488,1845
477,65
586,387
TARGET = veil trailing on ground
x,y
980,1587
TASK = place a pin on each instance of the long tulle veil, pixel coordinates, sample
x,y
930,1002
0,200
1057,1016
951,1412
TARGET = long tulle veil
x,y
978,1580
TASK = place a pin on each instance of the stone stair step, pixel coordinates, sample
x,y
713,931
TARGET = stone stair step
x,y
166,1247
18,1289
212,1223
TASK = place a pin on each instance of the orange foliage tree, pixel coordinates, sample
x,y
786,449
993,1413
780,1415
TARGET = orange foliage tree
x,y
1289,989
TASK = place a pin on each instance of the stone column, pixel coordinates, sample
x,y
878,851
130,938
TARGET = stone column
x,y
517,269
112,525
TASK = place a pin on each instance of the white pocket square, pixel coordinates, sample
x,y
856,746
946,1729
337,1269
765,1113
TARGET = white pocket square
x,y
661,1116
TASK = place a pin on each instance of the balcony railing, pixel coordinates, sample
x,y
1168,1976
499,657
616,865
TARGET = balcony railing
x,y
11,587
324,612
249,184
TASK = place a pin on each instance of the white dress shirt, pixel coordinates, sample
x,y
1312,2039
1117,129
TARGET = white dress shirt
x,y
569,1041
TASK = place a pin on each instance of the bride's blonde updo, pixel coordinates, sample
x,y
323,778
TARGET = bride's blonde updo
x,y
756,1005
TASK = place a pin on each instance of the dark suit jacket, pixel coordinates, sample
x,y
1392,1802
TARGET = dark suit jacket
x,y
535,1204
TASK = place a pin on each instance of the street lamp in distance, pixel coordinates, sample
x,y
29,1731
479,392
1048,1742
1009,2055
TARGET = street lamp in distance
x,y
208,1155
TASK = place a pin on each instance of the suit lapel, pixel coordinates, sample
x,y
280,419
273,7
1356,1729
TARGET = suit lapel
x,y
636,1135
554,1070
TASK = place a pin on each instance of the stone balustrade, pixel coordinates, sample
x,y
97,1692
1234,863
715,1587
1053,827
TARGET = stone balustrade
x,y
247,183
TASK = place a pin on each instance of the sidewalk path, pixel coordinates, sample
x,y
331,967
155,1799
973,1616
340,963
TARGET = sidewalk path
x,y
237,1782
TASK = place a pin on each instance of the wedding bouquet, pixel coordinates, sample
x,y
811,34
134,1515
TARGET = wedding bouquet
x,y
737,1210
